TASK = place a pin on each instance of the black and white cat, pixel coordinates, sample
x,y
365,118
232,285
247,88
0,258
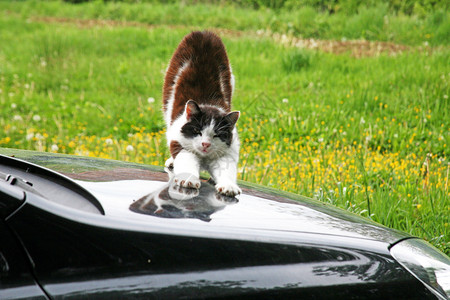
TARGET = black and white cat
x,y
201,131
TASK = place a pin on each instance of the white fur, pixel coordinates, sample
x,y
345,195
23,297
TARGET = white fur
x,y
220,161
168,113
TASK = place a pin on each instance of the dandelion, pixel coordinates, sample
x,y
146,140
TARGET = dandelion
x,y
17,118
29,136
285,100
109,141
129,148
36,118
151,100
54,148
11,94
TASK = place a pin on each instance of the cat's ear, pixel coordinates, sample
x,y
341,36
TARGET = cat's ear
x,y
192,108
233,117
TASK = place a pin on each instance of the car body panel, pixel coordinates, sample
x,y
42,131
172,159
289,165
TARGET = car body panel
x,y
16,279
151,240
258,208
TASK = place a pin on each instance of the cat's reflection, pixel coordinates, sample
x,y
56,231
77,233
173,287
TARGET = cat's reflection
x,y
173,201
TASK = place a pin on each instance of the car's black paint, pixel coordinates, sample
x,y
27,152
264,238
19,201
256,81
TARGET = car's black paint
x,y
74,259
75,254
16,280
48,184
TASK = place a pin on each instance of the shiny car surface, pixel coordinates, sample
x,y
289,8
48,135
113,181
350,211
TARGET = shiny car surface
x,y
82,228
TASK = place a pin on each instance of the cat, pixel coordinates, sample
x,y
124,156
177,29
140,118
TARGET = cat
x,y
173,201
201,132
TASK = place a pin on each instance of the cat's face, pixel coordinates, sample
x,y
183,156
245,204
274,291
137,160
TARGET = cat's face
x,y
208,131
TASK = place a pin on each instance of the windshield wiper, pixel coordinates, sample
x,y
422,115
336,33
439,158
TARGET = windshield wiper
x,y
25,185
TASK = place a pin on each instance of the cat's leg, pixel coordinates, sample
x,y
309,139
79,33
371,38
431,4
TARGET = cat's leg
x,y
224,172
186,169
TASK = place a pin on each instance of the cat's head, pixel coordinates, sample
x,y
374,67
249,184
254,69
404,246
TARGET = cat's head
x,y
208,131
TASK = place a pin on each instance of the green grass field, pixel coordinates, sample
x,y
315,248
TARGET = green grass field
x,y
363,125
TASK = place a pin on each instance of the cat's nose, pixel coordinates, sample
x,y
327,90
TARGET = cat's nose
x,y
206,145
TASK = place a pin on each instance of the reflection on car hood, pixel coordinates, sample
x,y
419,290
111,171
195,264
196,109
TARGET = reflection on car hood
x,y
141,193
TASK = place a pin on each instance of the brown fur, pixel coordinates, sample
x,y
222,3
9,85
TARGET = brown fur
x,y
200,81
175,148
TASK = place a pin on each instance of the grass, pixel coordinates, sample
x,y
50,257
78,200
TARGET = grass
x,y
368,134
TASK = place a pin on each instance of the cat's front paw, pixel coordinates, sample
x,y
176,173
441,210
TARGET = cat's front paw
x,y
187,181
229,189
177,192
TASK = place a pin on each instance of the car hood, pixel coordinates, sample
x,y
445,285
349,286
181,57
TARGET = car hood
x,y
140,194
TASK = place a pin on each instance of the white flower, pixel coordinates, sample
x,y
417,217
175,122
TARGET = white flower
x,y
36,118
39,136
445,96
285,100
320,140
362,121
55,148
109,141
13,105
129,148
11,94
151,100
27,86
29,136
17,118
395,135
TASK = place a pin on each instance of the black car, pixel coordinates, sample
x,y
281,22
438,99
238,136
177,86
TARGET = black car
x,y
81,228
